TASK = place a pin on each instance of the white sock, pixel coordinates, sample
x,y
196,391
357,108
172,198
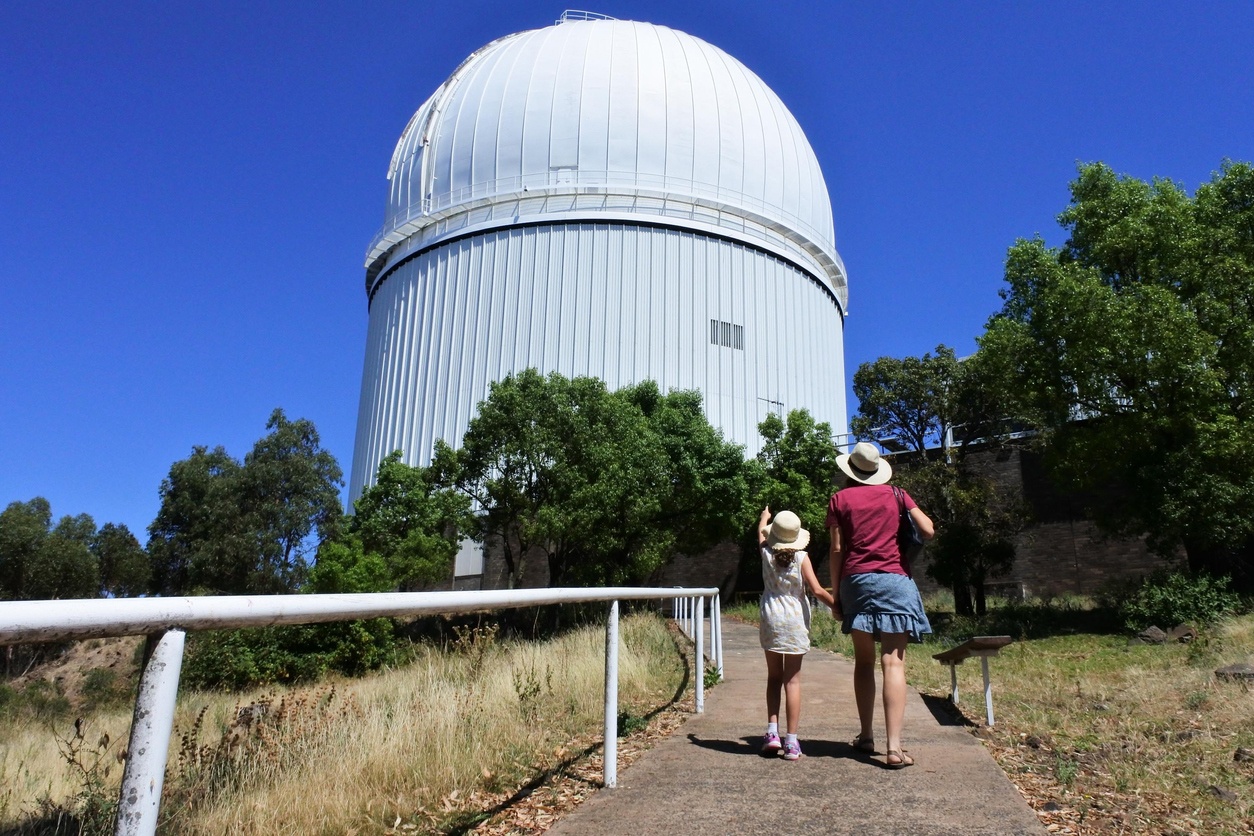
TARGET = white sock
x,y
790,738
772,728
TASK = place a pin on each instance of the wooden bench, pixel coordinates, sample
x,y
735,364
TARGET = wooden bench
x,y
981,646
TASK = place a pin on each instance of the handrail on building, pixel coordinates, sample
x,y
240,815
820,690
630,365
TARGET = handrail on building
x,y
166,621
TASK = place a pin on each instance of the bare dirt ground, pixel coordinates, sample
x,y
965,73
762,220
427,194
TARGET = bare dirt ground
x,y
69,672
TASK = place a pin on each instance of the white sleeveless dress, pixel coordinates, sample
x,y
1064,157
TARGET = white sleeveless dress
x,y
784,626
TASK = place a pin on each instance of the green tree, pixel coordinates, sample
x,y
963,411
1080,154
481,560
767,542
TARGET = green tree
x,y
504,465
410,522
1134,344
290,490
124,567
798,460
910,399
231,528
606,485
39,561
200,541
941,406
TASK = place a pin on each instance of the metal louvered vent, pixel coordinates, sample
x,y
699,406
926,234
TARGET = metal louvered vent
x,y
727,335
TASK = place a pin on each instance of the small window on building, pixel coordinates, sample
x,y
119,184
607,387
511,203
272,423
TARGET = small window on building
x,y
727,335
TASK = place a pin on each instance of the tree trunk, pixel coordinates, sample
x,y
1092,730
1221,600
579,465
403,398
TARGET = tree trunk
x,y
962,600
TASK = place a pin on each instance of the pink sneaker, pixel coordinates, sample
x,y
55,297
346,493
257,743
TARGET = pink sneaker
x,y
792,751
770,743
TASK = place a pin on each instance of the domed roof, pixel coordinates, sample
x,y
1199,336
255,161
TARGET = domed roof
x,y
601,119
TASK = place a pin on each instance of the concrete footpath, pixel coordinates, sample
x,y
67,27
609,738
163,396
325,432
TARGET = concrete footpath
x,y
708,777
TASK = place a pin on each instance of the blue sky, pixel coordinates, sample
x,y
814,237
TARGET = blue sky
x,y
187,190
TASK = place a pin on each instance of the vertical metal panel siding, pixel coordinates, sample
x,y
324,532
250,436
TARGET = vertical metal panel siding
x,y
619,302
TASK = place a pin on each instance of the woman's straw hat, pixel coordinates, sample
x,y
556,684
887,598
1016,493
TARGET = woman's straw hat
x,y
864,465
786,532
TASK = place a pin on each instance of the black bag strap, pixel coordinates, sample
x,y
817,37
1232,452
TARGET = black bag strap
x,y
903,519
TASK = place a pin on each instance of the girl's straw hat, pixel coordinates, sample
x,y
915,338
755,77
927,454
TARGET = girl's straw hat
x,y
864,465
786,532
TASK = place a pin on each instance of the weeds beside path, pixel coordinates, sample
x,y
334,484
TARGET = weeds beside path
x,y
494,735
1100,736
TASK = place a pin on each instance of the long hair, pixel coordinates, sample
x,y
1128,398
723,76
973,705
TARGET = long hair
x,y
783,558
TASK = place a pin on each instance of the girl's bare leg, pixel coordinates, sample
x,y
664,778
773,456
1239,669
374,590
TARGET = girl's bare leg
x,y
774,681
864,681
893,663
792,689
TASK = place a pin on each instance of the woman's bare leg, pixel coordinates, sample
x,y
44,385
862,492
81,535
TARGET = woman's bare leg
x,y
864,681
792,689
774,681
893,663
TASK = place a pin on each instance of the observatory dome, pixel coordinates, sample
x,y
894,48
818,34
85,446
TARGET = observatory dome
x,y
601,118
601,198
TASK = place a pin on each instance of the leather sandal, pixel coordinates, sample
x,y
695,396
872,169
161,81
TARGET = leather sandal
x,y
863,744
903,760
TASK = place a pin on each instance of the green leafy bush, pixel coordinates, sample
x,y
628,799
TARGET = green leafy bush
x,y
1167,598
239,659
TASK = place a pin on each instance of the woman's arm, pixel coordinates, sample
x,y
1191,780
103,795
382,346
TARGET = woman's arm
x,y
764,525
807,572
836,563
927,529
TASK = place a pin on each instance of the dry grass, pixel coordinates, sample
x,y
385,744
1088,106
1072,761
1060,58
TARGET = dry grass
x,y
426,748
1103,737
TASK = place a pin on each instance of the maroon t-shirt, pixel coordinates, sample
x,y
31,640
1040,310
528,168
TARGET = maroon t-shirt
x,y
868,520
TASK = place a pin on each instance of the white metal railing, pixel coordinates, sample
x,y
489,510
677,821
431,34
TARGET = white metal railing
x,y
167,621
676,191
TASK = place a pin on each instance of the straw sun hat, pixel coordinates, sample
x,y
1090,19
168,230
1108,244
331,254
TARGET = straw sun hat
x,y
786,532
864,465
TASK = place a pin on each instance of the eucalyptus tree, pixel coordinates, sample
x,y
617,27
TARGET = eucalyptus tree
x,y
228,527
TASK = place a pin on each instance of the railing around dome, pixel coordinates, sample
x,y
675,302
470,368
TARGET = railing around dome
x,y
561,179
165,621
575,14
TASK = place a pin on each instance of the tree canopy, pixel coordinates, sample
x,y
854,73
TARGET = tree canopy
x,y
1134,346
410,522
605,485
40,561
798,465
230,528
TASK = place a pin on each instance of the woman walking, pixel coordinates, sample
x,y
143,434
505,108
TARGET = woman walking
x,y
876,599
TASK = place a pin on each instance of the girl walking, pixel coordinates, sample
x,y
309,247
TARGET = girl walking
x,y
785,622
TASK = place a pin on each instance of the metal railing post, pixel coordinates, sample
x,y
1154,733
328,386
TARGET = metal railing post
x,y
699,613
609,766
988,690
139,802
717,632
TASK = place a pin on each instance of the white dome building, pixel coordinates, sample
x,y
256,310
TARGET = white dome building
x,y
604,198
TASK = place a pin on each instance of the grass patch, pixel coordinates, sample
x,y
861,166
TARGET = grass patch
x,y
1136,739
435,745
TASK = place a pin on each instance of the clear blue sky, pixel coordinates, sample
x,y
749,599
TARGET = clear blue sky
x,y
187,190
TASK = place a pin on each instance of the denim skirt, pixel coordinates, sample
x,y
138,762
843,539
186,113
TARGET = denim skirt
x,y
882,602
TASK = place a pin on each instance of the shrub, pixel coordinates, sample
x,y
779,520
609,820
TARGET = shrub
x,y
239,659
1167,598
